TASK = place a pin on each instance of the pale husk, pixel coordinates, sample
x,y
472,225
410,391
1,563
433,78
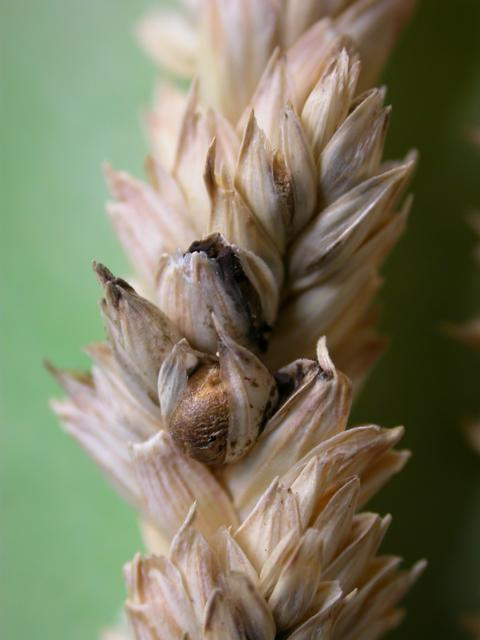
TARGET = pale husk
x,y
216,409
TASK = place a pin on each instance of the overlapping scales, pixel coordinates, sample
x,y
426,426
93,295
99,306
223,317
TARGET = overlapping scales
x,y
215,409
228,44
299,193
273,543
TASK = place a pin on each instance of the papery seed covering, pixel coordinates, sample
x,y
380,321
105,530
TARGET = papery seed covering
x,y
215,407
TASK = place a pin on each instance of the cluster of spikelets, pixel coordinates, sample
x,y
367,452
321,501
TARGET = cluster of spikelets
x,y
293,179
215,409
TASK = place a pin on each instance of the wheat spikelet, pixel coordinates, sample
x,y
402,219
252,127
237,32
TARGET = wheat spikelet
x,y
215,408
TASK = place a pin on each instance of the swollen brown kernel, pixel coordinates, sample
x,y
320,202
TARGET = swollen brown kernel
x,y
199,424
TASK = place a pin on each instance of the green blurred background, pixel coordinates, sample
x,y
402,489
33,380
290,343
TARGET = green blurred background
x,y
73,83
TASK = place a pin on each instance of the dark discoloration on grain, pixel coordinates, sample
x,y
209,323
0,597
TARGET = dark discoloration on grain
x,y
237,285
200,422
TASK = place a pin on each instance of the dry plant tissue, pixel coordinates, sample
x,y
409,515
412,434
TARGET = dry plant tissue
x,y
219,405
